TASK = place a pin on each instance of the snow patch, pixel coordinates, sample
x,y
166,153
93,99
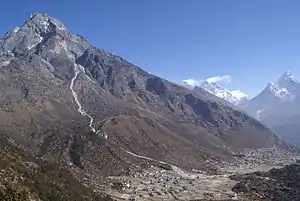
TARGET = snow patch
x,y
4,63
16,29
258,114
45,25
281,93
35,44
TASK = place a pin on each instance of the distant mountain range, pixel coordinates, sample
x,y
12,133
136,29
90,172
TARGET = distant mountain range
x,y
277,105
233,97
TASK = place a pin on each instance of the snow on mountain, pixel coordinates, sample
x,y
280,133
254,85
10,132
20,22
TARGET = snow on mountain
x,y
287,77
211,86
279,92
278,95
258,114
234,97
286,88
277,106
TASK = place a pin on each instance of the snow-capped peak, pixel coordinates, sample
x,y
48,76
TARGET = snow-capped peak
x,y
287,79
285,88
278,91
234,97
286,76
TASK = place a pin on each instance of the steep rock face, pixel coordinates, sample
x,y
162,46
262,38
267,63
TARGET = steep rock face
x,y
66,100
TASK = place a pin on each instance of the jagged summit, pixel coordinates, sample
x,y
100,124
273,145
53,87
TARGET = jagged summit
x,y
28,36
43,20
286,75
288,81
278,91
277,105
37,14
43,35
285,88
41,24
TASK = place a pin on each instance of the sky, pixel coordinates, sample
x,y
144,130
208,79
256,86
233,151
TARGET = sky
x,y
251,42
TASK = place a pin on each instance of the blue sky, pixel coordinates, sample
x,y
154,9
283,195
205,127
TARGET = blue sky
x,y
253,41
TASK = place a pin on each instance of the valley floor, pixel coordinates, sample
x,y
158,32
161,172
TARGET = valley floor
x,y
160,184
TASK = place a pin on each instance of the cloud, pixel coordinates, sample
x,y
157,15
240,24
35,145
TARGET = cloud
x,y
239,94
224,78
192,82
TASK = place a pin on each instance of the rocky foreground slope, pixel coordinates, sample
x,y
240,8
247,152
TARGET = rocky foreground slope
x,y
98,116
26,178
274,185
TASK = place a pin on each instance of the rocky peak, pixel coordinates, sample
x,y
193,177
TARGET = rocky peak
x,y
285,88
39,19
285,76
34,31
288,82
273,90
43,21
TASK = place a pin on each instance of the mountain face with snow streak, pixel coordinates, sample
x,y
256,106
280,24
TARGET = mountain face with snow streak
x,y
278,106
